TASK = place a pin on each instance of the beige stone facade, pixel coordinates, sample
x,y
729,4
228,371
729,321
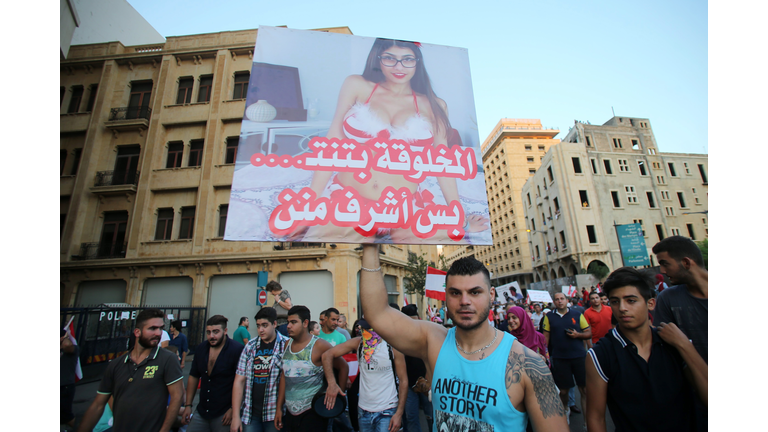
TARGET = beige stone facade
x,y
511,154
601,175
146,172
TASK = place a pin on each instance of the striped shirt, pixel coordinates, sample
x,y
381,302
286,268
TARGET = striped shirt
x,y
245,368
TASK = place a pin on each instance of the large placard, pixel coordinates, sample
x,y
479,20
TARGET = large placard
x,y
357,140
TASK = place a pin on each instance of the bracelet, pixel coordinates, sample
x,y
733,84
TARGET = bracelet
x,y
371,270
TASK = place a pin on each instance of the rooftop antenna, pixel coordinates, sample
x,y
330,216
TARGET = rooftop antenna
x,y
614,112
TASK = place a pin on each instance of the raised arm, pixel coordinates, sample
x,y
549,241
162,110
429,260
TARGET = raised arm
x,y
410,337
527,372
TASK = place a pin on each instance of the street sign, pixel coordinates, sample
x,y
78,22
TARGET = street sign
x,y
634,252
262,296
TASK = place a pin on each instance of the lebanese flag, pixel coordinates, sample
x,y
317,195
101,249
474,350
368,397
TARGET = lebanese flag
x,y
70,329
405,300
430,313
435,284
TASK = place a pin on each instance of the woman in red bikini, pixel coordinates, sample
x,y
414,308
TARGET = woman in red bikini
x,y
392,99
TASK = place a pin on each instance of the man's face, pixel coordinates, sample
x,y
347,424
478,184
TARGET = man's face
x,y
265,329
468,299
630,308
675,270
331,321
296,328
245,323
215,334
149,335
594,300
560,301
322,319
537,308
604,299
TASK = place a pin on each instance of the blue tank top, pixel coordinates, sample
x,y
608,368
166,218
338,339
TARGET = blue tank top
x,y
471,395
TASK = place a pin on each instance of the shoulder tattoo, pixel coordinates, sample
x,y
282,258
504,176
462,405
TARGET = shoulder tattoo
x,y
544,388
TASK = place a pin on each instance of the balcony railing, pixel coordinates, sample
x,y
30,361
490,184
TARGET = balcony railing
x,y
90,251
297,245
130,113
116,178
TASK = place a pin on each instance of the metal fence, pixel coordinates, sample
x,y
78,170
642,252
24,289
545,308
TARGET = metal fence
x,y
105,332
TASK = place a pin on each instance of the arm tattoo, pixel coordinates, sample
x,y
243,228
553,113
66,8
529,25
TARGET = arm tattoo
x,y
543,386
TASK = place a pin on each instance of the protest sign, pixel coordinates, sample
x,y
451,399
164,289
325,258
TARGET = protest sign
x,y
504,293
539,296
355,140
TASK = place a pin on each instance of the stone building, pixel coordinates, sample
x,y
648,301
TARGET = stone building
x,y
605,175
149,138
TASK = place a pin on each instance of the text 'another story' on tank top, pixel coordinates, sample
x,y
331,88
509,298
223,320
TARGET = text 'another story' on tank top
x,y
302,378
471,395
378,382
361,124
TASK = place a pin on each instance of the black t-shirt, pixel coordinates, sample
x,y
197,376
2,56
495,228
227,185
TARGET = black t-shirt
x,y
261,362
140,391
415,368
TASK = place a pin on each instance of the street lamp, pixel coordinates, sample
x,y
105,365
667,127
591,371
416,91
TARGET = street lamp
x,y
544,239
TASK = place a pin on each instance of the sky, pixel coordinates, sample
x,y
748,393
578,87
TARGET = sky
x,y
557,61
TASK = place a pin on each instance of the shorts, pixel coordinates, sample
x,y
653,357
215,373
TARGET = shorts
x,y
67,395
565,370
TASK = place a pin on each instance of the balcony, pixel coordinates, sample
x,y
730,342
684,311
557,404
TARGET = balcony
x,y
128,118
91,251
115,182
297,245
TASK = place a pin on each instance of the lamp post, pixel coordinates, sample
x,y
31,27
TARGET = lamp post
x,y
544,242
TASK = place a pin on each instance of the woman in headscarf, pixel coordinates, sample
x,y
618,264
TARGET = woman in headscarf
x,y
521,326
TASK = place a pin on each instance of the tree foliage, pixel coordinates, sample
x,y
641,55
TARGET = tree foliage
x,y
703,247
416,274
598,270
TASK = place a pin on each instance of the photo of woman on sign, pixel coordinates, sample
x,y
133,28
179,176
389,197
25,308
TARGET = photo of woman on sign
x,y
392,100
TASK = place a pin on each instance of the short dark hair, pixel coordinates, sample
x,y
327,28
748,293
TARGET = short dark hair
x,y
273,285
312,325
146,315
679,247
411,310
267,313
301,311
595,293
468,266
177,325
242,319
394,306
217,320
628,276
331,310
603,294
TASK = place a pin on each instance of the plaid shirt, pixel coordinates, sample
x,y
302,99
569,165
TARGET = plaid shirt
x,y
245,368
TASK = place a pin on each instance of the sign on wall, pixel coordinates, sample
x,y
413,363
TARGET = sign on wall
x,y
634,252
355,140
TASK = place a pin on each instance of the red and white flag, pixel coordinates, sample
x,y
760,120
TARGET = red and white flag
x,y
430,313
405,300
70,329
435,284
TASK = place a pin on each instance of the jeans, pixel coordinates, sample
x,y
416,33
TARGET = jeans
x,y
411,422
374,421
572,397
199,424
260,426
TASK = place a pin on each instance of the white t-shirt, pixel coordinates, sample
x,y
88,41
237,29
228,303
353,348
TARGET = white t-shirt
x,y
165,337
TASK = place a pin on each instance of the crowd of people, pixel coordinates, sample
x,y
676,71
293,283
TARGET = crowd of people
x,y
626,345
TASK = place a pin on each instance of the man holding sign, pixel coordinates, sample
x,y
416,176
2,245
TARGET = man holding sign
x,y
482,378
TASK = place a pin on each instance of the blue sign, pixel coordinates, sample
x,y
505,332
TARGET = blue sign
x,y
632,244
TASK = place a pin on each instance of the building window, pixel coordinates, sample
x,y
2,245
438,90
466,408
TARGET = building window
x,y
231,155
651,151
591,234
651,201
223,209
187,222
195,153
607,164
206,85
241,85
641,168
113,233
77,96
593,163
672,171
531,171
623,165
660,180
656,165
687,170
589,141
562,240
541,148
557,204
660,232
576,165
690,231
615,198
549,174
528,195
631,194
703,173
675,231
617,143
583,198
670,211
175,151
530,160
76,162
92,90
665,195
63,158
527,148
138,103
164,224
681,200
185,90
635,144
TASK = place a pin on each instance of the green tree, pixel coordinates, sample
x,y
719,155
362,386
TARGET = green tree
x,y
598,270
416,274
703,246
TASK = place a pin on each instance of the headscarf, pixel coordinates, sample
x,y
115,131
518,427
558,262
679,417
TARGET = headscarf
x,y
525,333
371,340
659,278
